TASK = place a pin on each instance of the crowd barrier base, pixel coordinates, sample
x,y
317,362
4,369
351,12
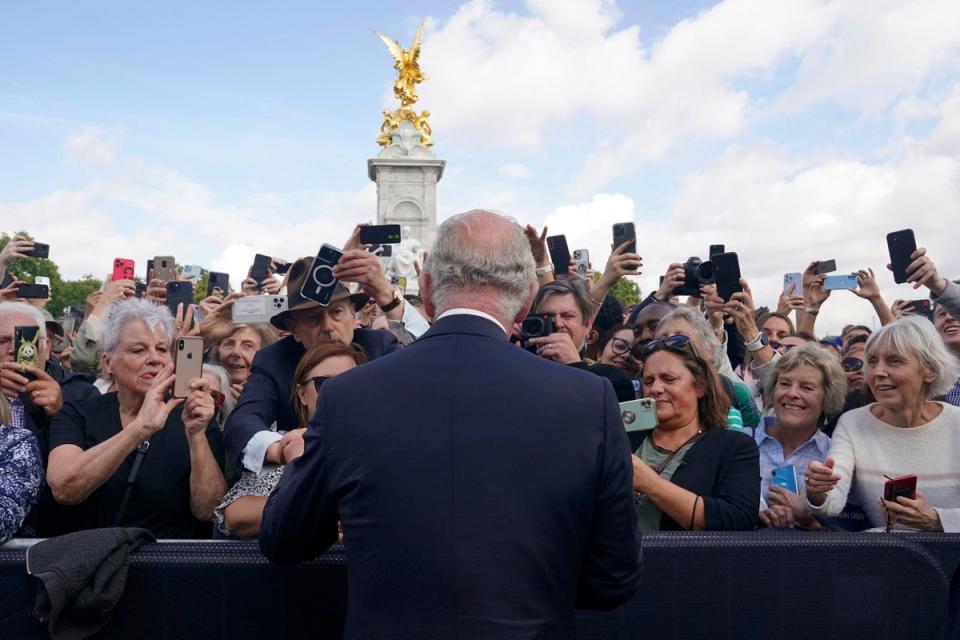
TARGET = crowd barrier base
x,y
695,585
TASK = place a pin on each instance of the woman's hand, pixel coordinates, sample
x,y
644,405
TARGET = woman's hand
x,y
799,513
185,323
17,247
713,304
620,263
199,407
819,480
538,245
740,307
813,292
777,517
291,445
673,278
914,513
155,410
9,293
867,288
922,271
156,291
789,302
643,475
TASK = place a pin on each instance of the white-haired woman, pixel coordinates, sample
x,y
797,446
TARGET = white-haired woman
x,y
170,486
903,433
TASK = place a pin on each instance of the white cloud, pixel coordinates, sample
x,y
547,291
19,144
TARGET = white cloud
x,y
92,145
515,171
589,225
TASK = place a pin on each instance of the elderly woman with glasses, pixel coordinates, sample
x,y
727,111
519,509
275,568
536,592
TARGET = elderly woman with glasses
x,y
904,433
690,472
135,456
241,511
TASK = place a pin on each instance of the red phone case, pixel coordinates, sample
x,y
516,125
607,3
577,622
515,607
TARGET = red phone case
x,y
905,486
122,269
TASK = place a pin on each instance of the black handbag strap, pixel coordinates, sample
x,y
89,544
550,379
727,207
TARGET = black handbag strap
x,y
131,479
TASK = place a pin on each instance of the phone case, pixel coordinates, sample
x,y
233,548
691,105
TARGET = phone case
x,y
257,309
559,254
165,268
217,280
901,245
260,269
179,292
122,269
796,279
40,250
582,259
380,234
638,415
727,266
189,364
921,308
33,291
27,345
824,266
833,283
320,282
623,231
904,486
785,477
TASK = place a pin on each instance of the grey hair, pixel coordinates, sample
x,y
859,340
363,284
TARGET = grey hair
x,y
917,336
695,319
124,312
458,267
814,355
24,309
573,285
229,402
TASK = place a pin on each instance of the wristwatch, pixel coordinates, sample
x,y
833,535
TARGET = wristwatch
x,y
393,304
811,311
757,343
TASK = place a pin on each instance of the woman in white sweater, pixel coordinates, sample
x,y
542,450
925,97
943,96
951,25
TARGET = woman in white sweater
x,y
903,433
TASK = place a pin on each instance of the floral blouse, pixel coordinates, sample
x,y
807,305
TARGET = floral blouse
x,y
21,476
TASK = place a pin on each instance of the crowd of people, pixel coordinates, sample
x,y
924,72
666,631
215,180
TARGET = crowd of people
x,y
759,423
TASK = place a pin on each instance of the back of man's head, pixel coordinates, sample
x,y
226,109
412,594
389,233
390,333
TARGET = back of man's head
x,y
480,260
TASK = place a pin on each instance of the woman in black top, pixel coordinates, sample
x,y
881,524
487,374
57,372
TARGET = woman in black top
x,y
94,444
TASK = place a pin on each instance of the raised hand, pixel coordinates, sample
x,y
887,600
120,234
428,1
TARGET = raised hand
x,y
819,480
155,408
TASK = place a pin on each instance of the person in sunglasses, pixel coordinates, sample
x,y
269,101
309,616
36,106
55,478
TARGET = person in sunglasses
x,y
690,472
851,361
240,512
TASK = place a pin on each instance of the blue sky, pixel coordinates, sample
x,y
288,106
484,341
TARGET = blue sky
x,y
216,130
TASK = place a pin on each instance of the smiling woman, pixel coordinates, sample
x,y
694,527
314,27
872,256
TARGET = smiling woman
x,y
133,457
904,433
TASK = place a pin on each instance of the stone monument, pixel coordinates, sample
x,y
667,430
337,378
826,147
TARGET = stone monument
x,y
406,171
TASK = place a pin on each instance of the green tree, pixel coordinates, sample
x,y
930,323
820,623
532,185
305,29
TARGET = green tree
x,y
627,290
72,293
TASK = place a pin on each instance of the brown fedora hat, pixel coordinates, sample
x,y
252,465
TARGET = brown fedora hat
x,y
295,301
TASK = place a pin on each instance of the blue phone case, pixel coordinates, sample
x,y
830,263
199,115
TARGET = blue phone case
x,y
785,477
832,283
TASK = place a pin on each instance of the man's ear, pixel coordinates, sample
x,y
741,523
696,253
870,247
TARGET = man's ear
x,y
592,336
528,303
426,294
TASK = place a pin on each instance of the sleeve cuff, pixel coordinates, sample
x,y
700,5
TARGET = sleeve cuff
x,y
95,326
256,450
413,321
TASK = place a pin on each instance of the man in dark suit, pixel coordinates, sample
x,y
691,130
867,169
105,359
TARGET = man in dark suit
x,y
268,393
483,492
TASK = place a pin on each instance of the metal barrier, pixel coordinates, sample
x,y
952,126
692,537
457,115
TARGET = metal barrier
x,y
696,585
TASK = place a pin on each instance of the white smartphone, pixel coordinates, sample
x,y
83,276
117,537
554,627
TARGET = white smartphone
x,y
582,258
258,309
796,279
190,272
41,280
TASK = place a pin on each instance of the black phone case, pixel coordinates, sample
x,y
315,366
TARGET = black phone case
x,y
218,280
559,254
259,270
40,250
727,267
901,245
33,291
626,232
380,234
824,266
320,284
179,292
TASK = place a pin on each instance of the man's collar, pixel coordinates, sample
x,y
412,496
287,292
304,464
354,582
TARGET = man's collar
x,y
464,311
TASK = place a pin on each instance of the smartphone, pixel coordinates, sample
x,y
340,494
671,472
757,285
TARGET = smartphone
x,y
400,284
559,254
218,284
785,477
832,283
795,279
179,292
33,291
381,250
921,308
824,266
44,280
623,232
582,258
638,417
320,283
904,486
380,234
282,267
7,280
70,323
191,272
260,269
727,269
901,245
122,269
189,353
715,249
141,288
27,346
39,250
257,309
165,268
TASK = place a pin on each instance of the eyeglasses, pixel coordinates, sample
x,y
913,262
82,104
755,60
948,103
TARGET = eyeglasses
x,y
781,347
851,364
677,344
317,381
619,346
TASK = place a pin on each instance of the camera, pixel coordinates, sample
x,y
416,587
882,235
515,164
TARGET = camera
x,y
695,272
537,325
320,282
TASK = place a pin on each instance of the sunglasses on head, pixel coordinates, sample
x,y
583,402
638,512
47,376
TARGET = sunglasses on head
x,y
317,381
851,364
677,344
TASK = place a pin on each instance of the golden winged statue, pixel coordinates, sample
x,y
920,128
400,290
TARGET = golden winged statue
x,y
405,89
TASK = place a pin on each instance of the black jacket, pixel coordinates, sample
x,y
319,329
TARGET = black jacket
x,y
723,467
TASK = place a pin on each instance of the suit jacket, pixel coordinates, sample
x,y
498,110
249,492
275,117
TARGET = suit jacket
x,y
268,394
723,467
483,491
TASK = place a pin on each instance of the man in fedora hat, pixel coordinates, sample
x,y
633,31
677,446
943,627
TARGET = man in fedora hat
x,y
267,395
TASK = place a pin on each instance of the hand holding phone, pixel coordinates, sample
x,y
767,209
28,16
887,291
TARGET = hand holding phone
x,y
559,254
727,278
26,344
901,245
320,282
122,269
902,487
380,234
189,354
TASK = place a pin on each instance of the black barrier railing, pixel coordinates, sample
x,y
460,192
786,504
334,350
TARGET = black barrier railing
x,y
696,585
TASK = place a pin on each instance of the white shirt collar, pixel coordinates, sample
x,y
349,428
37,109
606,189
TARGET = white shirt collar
x,y
464,311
